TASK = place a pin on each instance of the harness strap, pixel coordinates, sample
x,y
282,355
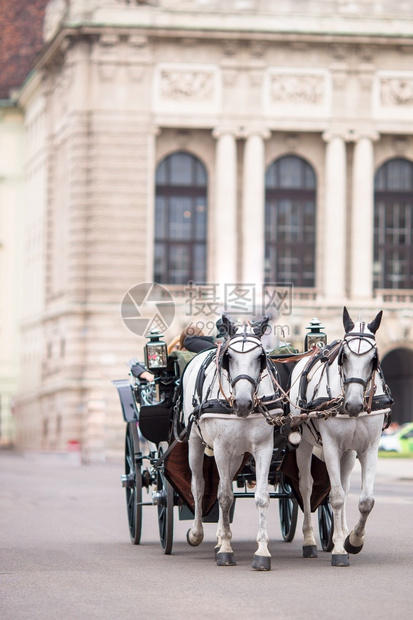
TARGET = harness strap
x,y
221,389
351,335
293,358
200,379
246,377
355,380
322,356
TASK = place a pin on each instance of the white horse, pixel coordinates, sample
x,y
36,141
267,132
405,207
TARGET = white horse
x,y
354,375
235,383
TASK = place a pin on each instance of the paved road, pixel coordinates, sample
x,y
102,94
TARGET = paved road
x,y
65,553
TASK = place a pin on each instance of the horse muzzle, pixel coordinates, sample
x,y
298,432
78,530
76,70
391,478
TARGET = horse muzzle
x,y
243,408
353,408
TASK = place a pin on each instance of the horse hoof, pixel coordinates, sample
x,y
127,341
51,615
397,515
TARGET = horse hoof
x,y
216,551
225,559
340,559
261,562
351,548
310,551
190,542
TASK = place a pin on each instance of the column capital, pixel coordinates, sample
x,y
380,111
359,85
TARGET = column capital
x,y
247,132
224,130
350,135
241,131
368,134
330,134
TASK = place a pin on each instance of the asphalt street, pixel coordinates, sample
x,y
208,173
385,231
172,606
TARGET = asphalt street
x,y
65,554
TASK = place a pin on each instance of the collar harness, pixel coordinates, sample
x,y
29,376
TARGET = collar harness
x,y
334,405
214,399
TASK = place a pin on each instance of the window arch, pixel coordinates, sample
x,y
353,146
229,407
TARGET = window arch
x,y
393,225
290,203
180,220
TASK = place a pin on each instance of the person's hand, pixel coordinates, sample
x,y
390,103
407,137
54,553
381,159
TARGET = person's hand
x,y
147,376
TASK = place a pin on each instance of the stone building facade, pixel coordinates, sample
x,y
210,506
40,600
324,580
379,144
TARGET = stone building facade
x,y
246,144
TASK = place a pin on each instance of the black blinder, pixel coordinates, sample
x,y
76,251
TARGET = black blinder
x,y
340,356
225,361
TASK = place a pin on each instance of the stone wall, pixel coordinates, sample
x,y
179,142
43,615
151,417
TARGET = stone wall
x,y
115,94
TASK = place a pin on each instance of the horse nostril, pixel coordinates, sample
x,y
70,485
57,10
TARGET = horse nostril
x,y
243,408
353,409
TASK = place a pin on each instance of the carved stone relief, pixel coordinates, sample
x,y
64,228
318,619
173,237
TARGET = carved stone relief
x,y
297,89
397,91
181,85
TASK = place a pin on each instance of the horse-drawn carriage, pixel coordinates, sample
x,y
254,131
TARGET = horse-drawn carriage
x,y
222,430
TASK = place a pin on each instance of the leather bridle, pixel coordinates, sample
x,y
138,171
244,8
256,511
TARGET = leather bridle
x,y
223,361
348,339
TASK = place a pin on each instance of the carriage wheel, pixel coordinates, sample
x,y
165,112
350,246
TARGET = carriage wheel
x,y
133,483
288,509
326,525
165,502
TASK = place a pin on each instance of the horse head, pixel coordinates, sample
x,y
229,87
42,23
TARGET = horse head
x,y
244,359
358,359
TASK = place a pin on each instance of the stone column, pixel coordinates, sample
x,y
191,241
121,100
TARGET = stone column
x,y
153,133
253,210
362,220
334,236
224,226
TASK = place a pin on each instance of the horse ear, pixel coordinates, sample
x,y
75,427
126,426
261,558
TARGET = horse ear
x,y
228,326
347,322
260,327
375,324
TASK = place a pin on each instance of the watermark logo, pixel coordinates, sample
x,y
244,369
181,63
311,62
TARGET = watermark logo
x,y
238,300
146,307
151,306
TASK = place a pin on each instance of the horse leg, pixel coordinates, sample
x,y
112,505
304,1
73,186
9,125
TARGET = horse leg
x,y
346,467
227,468
337,500
235,465
195,534
262,557
304,453
355,540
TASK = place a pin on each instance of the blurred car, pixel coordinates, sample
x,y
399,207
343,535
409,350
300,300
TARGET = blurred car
x,y
399,441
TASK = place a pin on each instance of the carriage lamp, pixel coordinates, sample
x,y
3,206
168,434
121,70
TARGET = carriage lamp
x,y
156,352
315,336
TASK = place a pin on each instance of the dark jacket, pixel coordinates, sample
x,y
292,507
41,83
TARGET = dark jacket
x,y
196,344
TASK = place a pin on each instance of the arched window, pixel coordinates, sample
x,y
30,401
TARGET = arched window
x,y
393,225
180,220
290,200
